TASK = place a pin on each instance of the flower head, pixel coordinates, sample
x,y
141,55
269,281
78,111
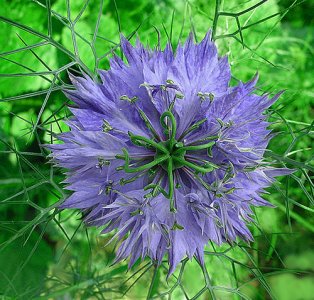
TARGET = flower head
x,y
165,153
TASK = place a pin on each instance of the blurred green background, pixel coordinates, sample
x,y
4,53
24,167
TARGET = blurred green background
x,y
45,254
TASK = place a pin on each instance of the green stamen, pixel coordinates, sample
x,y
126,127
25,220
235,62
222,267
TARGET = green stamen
x,y
106,127
148,124
136,212
192,128
177,226
124,181
127,98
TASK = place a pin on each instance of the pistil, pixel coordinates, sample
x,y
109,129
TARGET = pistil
x,y
170,154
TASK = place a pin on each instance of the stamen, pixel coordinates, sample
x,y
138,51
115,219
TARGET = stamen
x,y
195,177
127,98
148,124
223,124
108,188
142,115
102,162
205,96
177,226
154,186
156,189
106,127
137,212
230,173
152,172
124,181
192,128
179,96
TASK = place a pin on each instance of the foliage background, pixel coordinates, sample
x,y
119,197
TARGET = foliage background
x,y
48,254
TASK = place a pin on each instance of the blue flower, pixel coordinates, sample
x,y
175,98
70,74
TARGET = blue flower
x,y
165,153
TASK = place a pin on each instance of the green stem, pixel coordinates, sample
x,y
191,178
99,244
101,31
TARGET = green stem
x,y
215,22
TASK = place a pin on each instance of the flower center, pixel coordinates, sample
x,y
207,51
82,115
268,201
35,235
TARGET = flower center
x,y
176,154
169,155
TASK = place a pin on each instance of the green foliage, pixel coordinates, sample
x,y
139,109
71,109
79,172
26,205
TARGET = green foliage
x,y
48,254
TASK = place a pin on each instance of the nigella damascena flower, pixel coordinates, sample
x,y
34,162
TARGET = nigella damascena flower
x,y
164,153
